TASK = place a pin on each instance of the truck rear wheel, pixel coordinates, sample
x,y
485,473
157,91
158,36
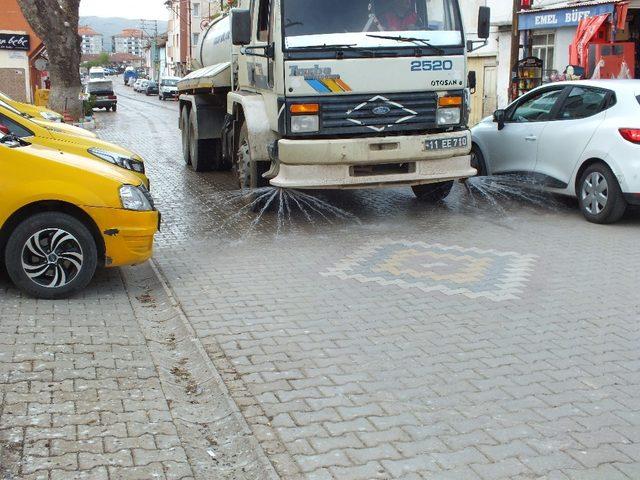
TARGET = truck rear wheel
x,y
201,152
184,128
249,173
432,192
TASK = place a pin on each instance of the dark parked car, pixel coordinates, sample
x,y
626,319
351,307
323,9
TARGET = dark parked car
x,y
102,92
152,88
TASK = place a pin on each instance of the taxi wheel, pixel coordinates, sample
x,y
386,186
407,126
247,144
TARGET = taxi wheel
x,y
51,255
432,192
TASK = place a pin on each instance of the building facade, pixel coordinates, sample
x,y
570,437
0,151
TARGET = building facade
x,y
131,41
91,41
188,20
23,58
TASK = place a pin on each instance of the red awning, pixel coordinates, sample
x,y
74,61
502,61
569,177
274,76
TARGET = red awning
x,y
586,30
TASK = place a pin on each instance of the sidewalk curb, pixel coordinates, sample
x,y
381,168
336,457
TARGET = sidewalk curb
x,y
214,434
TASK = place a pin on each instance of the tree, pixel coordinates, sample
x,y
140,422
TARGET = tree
x,y
56,23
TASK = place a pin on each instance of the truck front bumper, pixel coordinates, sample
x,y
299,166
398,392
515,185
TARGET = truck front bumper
x,y
370,162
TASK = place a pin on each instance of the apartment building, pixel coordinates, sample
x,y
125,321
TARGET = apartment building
x,y
130,40
92,42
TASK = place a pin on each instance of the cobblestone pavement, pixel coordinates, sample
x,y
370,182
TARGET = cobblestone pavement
x,y
484,338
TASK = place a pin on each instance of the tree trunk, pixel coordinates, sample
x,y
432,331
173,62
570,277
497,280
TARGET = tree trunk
x,y
56,23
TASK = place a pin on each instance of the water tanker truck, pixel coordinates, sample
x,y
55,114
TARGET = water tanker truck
x,y
333,94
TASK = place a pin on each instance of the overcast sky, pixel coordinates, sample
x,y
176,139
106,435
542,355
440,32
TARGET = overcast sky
x,y
147,9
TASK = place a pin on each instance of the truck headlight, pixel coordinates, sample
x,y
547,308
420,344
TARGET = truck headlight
x,y
448,116
129,163
135,198
51,116
305,123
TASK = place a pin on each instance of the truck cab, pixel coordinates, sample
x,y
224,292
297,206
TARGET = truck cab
x,y
301,96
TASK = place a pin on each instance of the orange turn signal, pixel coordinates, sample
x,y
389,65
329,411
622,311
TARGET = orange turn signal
x,y
449,101
301,108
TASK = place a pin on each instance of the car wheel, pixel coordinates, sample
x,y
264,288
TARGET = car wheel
x,y
114,107
432,192
184,130
51,255
600,196
477,161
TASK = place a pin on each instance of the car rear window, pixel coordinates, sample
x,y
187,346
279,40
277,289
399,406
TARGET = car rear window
x,y
100,86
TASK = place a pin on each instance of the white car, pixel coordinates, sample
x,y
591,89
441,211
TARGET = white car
x,y
577,138
168,88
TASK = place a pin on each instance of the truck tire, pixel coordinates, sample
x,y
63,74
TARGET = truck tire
x,y
51,255
184,128
203,153
249,173
432,192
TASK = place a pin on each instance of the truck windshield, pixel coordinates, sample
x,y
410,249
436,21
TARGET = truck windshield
x,y
361,23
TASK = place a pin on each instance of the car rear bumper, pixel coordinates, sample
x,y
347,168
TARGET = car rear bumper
x,y
127,234
632,198
106,102
370,162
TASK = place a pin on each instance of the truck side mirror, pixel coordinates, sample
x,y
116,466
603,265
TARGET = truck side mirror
x,y
484,21
471,81
240,26
498,117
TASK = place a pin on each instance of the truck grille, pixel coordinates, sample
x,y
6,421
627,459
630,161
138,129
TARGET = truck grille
x,y
376,114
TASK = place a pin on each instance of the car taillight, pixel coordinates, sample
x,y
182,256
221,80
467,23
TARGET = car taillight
x,y
630,134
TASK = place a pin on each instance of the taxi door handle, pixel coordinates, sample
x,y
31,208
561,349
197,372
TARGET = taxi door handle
x,y
531,138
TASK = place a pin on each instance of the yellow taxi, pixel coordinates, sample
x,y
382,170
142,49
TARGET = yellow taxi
x,y
33,111
59,136
63,215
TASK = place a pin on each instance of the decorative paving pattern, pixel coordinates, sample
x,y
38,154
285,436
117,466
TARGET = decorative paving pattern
x,y
448,269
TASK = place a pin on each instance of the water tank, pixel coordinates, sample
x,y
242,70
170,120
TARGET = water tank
x,y
215,45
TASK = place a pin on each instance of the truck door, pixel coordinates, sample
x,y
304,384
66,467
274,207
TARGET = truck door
x,y
260,68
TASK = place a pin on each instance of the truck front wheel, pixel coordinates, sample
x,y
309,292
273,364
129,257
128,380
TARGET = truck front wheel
x,y
249,173
432,192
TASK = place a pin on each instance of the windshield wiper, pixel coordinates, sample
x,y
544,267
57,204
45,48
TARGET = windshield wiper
x,y
12,141
400,38
338,47
324,46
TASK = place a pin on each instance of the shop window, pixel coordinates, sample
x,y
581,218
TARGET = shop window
x,y
543,46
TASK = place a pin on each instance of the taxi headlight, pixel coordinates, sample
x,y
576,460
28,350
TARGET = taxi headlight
x,y
135,198
123,161
51,116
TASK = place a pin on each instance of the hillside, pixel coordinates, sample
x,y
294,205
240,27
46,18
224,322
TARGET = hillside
x,y
109,26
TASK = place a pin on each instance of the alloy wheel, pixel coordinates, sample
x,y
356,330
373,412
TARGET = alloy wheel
x,y
52,258
595,193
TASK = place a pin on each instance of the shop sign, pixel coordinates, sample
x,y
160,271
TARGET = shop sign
x,y
13,41
567,17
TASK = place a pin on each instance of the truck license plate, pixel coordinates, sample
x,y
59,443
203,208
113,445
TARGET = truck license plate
x,y
444,143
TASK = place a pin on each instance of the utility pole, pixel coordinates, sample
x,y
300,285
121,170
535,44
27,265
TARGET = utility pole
x,y
515,42
153,45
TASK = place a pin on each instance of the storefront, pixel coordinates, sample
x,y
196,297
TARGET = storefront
x,y
583,34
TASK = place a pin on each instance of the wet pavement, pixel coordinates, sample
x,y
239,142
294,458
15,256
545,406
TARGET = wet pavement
x,y
362,334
